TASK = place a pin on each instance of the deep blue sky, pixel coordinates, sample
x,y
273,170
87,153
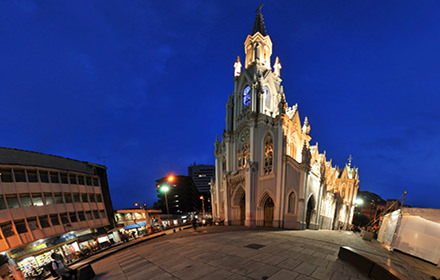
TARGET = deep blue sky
x,y
141,86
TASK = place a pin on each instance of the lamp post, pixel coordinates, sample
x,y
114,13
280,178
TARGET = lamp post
x,y
164,189
203,204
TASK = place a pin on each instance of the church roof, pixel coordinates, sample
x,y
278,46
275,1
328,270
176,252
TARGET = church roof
x,y
259,23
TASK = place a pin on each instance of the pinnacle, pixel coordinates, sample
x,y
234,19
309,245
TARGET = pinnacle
x,y
259,23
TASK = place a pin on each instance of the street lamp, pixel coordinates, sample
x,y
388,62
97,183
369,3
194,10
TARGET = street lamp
x,y
164,189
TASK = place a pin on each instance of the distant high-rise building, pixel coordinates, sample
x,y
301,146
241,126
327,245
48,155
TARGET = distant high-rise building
x,y
202,175
182,195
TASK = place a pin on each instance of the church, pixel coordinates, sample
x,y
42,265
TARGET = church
x,y
267,171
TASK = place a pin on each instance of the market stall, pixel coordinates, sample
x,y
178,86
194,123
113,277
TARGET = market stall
x,y
415,231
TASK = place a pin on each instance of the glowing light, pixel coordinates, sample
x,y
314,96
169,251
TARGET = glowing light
x,y
164,189
359,201
170,178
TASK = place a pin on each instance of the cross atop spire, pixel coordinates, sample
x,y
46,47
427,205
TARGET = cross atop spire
x,y
259,22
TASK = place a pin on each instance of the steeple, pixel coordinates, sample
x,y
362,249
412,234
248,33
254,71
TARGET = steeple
x,y
258,46
259,22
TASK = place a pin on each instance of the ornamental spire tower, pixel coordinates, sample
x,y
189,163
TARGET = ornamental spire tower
x,y
258,46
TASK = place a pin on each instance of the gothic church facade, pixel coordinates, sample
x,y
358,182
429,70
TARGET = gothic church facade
x,y
267,173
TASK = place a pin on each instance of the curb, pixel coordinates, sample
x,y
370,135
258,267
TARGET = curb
x,y
368,265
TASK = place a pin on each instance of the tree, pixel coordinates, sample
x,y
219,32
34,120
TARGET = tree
x,y
360,220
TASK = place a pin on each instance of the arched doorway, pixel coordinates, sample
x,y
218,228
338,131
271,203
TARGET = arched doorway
x,y
238,207
310,208
242,209
268,212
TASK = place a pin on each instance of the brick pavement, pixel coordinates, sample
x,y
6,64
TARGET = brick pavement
x,y
207,254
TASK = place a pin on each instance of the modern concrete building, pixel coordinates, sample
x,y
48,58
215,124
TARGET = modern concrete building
x,y
50,203
268,173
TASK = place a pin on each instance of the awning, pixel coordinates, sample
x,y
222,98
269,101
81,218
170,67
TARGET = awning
x,y
137,225
86,237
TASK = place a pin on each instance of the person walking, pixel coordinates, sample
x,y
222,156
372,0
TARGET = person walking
x,y
61,269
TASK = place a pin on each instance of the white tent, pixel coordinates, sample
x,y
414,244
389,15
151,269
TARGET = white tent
x,y
415,232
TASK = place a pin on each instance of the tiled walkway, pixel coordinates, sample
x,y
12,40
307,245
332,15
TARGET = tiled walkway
x,y
246,254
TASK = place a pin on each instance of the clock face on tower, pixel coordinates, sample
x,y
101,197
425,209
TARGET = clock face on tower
x,y
246,96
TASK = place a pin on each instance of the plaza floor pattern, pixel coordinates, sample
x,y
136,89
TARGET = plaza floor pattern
x,y
238,253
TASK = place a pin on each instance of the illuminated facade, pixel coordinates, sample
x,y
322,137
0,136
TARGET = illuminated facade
x,y
47,202
267,172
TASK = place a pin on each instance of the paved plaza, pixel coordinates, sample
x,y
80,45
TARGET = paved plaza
x,y
238,253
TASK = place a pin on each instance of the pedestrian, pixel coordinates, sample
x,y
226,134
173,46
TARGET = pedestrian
x,y
61,269
194,223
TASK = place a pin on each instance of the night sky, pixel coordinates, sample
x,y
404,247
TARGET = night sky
x,y
141,86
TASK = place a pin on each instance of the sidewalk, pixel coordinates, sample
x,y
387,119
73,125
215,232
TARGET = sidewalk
x,y
241,253
121,246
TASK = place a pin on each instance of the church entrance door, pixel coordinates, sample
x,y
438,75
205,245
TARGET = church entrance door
x,y
268,212
310,208
242,209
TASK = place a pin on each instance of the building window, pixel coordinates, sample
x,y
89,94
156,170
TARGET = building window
x,y
72,179
20,225
89,181
246,96
48,198
32,176
32,223
25,200
243,156
103,214
85,197
76,197
291,203
37,199
89,215
96,214
7,229
81,180
95,182
6,175
44,222
99,197
54,177
73,217
64,218
63,177
81,216
2,203
267,98
20,176
58,198
268,154
92,197
12,201
54,219
68,197
44,178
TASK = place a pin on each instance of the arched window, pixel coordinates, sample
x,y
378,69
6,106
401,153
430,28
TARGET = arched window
x,y
243,151
243,156
266,98
291,204
268,154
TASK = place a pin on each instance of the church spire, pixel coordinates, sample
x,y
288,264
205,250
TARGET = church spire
x,y
258,46
259,23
